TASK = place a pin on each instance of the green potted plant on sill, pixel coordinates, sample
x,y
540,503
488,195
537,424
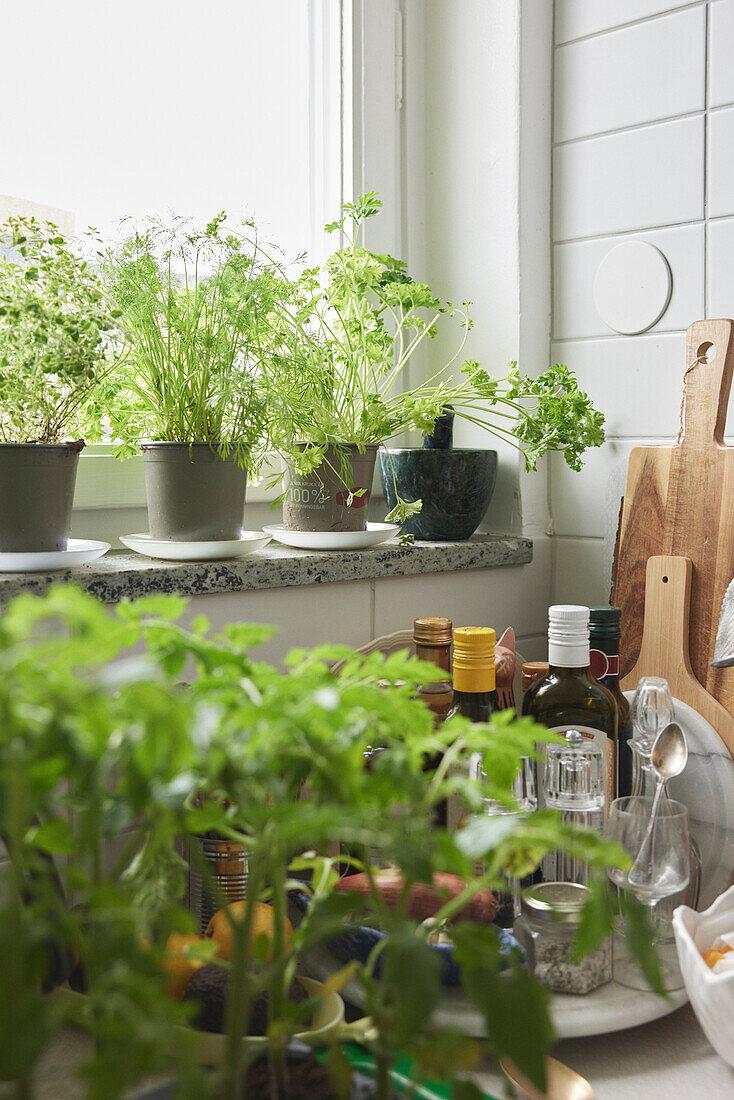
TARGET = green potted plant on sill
x,y
192,303
339,388
57,336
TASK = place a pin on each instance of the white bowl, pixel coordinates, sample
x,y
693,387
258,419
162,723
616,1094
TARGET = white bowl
x,y
712,995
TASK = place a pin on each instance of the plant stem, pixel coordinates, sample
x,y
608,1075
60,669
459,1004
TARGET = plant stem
x,y
239,999
382,1079
276,1013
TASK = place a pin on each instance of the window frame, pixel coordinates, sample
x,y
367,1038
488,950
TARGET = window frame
x,y
355,102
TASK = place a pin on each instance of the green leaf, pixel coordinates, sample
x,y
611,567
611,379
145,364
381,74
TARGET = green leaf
x,y
597,917
483,833
54,837
514,1005
640,939
411,977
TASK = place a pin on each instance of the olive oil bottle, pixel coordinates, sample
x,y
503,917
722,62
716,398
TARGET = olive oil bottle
x,y
569,696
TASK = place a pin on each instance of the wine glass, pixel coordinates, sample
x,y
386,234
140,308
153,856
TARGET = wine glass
x,y
651,709
669,872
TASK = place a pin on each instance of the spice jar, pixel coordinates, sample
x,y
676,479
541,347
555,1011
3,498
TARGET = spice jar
x,y
547,930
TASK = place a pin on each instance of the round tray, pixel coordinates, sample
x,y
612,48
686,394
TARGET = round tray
x,y
612,1007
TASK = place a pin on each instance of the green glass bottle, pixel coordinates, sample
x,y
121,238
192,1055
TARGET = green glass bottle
x,y
570,697
604,635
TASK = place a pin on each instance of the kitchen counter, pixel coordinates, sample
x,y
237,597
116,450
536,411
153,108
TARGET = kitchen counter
x,y
669,1058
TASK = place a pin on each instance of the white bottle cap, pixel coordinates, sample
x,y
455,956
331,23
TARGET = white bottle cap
x,y
568,636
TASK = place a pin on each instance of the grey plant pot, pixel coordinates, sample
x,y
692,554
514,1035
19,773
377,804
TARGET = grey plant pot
x,y
36,495
193,494
455,486
318,502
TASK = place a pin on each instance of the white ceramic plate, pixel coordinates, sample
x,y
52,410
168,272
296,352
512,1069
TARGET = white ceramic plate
x,y
334,540
78,552
706,787
196,551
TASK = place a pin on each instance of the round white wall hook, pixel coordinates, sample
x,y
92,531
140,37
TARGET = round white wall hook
x,y
632,287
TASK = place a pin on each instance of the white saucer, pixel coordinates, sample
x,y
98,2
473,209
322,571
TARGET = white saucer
x,y
78,552
334,540
220,550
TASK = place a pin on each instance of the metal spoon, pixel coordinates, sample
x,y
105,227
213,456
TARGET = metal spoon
x,y
669,758
562,1082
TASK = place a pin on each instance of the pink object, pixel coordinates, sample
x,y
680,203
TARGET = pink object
x,y
504,662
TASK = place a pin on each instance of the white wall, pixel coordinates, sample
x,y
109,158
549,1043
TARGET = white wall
x,y
476,203
463,216
643,150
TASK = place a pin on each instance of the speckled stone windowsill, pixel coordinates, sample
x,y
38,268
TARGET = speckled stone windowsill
x,y
120,575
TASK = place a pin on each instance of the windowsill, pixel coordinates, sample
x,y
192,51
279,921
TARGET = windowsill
x,y
122,575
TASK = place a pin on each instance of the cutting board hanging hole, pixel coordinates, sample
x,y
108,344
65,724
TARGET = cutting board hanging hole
x,y
665,580
703,356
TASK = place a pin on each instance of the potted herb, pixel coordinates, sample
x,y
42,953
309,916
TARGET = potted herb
x,y
56,333
191,308
339,388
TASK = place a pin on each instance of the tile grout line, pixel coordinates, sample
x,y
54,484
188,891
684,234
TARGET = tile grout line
x,y
654,17
634,127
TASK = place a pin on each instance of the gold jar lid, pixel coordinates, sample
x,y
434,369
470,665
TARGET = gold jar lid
x,y
432,630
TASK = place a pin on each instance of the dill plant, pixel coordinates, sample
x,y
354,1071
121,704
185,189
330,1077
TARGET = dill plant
x,y
193,306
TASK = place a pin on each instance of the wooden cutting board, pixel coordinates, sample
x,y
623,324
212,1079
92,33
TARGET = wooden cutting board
x,y
665,651
679,500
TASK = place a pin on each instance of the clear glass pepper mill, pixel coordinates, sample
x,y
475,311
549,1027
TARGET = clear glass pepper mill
x,y
573,782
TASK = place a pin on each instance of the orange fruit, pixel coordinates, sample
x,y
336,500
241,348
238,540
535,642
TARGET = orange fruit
x,y
221,931
712,955
178,967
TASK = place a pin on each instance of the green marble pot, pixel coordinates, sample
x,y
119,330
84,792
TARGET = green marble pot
x,y
455,486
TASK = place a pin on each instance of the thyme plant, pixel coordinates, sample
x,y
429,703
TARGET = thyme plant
x,y
57,333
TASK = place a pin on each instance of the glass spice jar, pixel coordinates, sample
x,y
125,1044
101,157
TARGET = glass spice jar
x,y
547,928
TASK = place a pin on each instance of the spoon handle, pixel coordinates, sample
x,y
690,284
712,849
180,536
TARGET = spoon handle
x,y
641,871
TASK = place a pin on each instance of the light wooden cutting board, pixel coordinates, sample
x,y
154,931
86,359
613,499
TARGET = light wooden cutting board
x,y
665,651
679,500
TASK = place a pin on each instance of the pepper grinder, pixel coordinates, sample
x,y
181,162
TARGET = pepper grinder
x,y
573,782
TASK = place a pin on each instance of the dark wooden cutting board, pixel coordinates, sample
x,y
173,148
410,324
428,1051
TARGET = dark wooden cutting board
x,y
679,500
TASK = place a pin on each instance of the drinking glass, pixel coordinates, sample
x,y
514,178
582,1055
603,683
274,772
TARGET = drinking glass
x,y
669,873
651,709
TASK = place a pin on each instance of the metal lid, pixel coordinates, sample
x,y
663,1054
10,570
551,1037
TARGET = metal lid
x,y
433,630
555,902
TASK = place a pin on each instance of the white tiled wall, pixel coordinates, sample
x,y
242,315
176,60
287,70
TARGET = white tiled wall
x,y
644,150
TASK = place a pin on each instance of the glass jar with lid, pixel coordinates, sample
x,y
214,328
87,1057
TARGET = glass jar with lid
x,y
547,928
